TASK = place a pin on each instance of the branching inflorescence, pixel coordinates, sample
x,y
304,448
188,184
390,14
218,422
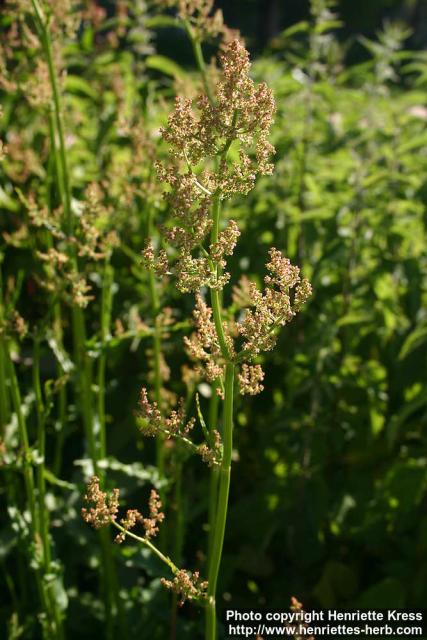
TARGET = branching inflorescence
x,y
217,146
102,511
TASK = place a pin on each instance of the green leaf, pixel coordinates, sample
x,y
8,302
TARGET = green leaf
x,y
159,22
415,340
76,84
355,317
166,66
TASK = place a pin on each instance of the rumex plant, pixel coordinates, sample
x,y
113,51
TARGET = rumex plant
x,y
216,149
132,265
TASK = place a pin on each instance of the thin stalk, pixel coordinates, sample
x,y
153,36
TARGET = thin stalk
x,y
148,544
200,61
51,632
214,475
84,366
47,46
41,486
222,507
9,480
41,449
215,297
178,540
106,305
54,166
157,355
4,398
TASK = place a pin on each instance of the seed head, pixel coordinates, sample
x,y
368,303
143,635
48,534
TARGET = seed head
x,y
187,585
104,507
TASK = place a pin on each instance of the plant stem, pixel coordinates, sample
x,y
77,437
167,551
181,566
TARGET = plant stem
x,y
106,304
157,355
4,399
215,297
82,358
198,55
54,166
148,544
50,630
222,507
178,538
47,46
214,475
41,448
41,485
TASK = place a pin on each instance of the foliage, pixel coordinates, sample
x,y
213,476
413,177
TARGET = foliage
x,y
329,461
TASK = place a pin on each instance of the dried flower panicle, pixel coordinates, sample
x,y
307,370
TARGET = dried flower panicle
x,y
150,524
273,308
211,452
256,330
187,585
241,115
227,240
13,324
202,345
204,21
157,263
92,238
250,378
152,423
104,507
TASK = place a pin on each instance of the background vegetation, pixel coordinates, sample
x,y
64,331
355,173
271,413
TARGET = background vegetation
x,y
330,464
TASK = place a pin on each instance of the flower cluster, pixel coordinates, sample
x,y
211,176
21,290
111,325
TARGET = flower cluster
x,y
104,506
255,331
198,14
157,263
200,173
203,346
133,517
91,239
250,378
274,308
187,585
211,453
152,423
12,323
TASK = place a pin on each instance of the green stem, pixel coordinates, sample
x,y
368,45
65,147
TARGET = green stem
x,y
53,172
148,544
106,305
41,486
51,631
47,46
215,297
222,507
84,367
178,540
200,61
41,448
157,354
4,399
214,475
